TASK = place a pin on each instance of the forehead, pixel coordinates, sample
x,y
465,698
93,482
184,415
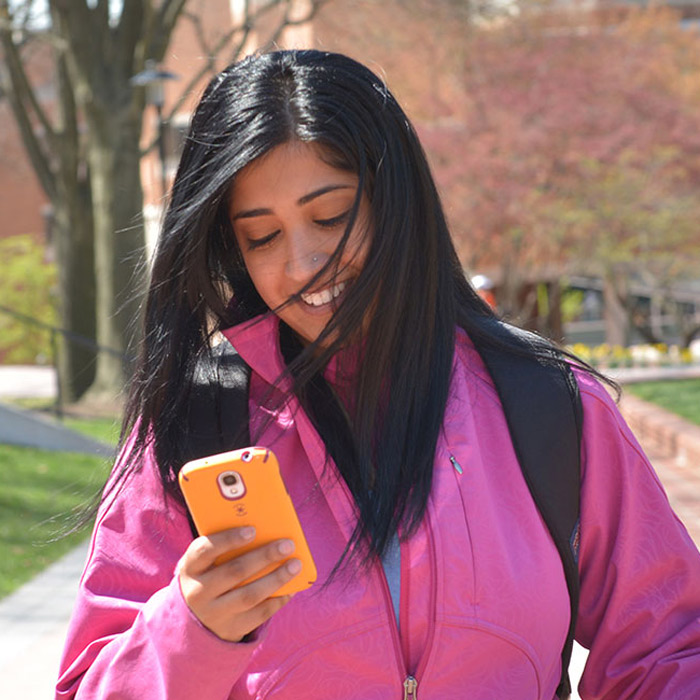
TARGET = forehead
x,y
290,170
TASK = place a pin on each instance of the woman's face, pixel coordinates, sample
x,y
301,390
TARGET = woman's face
x,y
289,210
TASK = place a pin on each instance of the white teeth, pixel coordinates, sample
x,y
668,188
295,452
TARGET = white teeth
x,y
325,296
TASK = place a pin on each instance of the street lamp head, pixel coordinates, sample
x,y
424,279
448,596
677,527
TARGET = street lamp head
x,y
153,79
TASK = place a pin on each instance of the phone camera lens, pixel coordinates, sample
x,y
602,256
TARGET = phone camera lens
x,y
229,479
247,456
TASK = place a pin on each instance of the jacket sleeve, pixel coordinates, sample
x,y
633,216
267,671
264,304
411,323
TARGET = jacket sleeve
x,y
639,611
132,634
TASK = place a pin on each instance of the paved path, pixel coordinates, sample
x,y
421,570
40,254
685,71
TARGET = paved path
x,y
33,620
629,375
27,382
33,623
28,429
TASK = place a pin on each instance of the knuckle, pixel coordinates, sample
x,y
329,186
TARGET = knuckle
x,y
236,569
270,606
248,597
192,590
201,547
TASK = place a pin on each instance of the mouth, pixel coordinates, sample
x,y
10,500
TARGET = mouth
x,y
325,296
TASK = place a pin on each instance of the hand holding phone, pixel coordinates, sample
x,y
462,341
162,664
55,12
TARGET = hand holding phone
x,y
244,488
252,554
217,593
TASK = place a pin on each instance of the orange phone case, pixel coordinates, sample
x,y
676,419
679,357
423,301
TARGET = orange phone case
x,y
245,487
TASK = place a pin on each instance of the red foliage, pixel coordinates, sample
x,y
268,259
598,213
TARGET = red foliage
x,y
543,104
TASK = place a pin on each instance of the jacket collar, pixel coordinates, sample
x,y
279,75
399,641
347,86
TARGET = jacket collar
x,y
257,342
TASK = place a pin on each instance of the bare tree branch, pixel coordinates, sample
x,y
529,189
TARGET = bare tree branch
x,y
129,31
101,11
34,150
68,119
75,16
242,29
23,101
20,82
288,22
196,22
158,34
209,66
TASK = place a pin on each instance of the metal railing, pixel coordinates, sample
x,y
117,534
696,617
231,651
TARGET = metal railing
x,y
55,332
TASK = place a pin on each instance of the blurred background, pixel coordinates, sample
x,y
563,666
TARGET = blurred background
x,y
564,137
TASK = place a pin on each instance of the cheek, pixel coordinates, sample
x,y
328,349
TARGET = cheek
x,y
358,246
362,234
268,278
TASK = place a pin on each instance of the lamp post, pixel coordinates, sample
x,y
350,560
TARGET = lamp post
x,y
153,79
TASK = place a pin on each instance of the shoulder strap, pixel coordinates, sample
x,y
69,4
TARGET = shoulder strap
x,y
217,416
218,408
543,410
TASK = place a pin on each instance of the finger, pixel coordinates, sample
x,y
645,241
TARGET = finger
x,y
203,551
250,595
232,573
250,620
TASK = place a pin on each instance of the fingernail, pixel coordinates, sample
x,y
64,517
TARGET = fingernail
x,y
285,547
294,567
247,533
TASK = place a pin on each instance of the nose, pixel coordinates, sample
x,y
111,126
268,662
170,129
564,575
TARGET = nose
x,y
305,258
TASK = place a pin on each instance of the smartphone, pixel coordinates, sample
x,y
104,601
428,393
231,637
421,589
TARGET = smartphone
x,y
245,487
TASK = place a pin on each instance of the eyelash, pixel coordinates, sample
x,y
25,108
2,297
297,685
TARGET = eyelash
x,y
335,221
257,243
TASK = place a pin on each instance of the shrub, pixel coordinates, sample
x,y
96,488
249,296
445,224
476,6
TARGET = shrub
x,y
27,286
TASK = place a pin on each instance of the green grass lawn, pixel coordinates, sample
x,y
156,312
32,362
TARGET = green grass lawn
x,y
102,429
41,494
681,396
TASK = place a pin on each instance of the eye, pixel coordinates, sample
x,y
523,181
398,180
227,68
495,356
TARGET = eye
x,y
257,243
335,221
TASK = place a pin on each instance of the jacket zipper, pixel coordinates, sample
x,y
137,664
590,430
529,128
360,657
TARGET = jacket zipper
x,y
410,688
410,683
456,465
394,627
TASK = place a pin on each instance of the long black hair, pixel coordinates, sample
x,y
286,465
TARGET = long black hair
x,y
412,282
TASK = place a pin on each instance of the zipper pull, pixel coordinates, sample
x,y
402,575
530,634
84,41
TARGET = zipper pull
x,y
410,688
456,465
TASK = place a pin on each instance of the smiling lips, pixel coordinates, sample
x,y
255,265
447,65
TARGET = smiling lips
x,y
325,296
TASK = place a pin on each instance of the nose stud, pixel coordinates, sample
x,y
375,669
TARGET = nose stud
x,y
314,259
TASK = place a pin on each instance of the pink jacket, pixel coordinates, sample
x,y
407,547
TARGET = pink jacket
x,y
484,606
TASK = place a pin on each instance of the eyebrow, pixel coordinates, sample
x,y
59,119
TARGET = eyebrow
x,y
251,213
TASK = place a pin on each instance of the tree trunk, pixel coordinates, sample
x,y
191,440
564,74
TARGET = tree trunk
x,y
113,154
555,322
617,325
75,258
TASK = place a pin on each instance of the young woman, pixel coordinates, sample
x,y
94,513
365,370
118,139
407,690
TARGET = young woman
x,y
304,228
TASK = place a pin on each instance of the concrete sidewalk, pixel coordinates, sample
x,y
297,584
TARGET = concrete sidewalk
x,y
29,429
33,623
27,382
33,620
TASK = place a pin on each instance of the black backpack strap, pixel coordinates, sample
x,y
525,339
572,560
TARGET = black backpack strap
x,y
218,407
217,418
542,406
